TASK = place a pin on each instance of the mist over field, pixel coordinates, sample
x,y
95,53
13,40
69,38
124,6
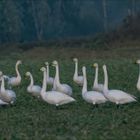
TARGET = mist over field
x,y
39,20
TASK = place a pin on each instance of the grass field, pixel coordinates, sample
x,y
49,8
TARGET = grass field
x,y
31,118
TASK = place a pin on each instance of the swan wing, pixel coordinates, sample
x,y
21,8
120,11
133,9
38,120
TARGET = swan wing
x,y
98,87
79,80
36,88
64,88
94,97
57,98
50,81
11,93
121,97
67,89
8,96
13,81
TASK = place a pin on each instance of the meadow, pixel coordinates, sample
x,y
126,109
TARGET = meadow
x,y
31,118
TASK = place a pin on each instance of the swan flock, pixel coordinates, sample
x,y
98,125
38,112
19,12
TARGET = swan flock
x,y
62,93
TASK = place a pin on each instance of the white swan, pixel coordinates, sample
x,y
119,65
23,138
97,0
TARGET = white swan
x,y
1,101
15,81
96,85
116,96
53,97
50,80
64,88
8,96
92,97
33,89
76,78
138,82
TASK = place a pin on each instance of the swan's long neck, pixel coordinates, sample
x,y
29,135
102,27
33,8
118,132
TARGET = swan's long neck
x,y
47,71
57,80
17,71
105,81
96,77
84,89
2,84
76,69
138,83
44,85
32,80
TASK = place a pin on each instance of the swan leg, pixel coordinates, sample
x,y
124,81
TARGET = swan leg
x,y
57,107
117,105
95,105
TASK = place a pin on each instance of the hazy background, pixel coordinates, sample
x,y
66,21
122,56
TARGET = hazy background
x,y
39,20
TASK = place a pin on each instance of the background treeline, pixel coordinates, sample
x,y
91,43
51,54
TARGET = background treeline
x,y
39,20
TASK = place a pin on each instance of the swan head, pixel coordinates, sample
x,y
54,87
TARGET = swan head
x,y
95,65
104,67
46,63
54,63
43,69
84,69
75,59
19,62
138,61
28,73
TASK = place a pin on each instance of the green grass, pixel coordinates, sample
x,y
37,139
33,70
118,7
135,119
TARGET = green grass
x,y
31,118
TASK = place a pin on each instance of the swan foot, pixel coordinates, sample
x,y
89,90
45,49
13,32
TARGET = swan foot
x,y
58,107
96,105
118,106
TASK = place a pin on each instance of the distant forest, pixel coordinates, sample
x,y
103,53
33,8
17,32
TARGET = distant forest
x,y
39,20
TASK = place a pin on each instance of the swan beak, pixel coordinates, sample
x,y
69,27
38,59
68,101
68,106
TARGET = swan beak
x,y
95,65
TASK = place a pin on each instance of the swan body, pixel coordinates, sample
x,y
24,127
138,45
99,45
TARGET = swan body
x,y
116,96
93,97
64,88
96,85
33,89
7,96
15,81
76,78
138,82
3,103
54,97
99,88
50,80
